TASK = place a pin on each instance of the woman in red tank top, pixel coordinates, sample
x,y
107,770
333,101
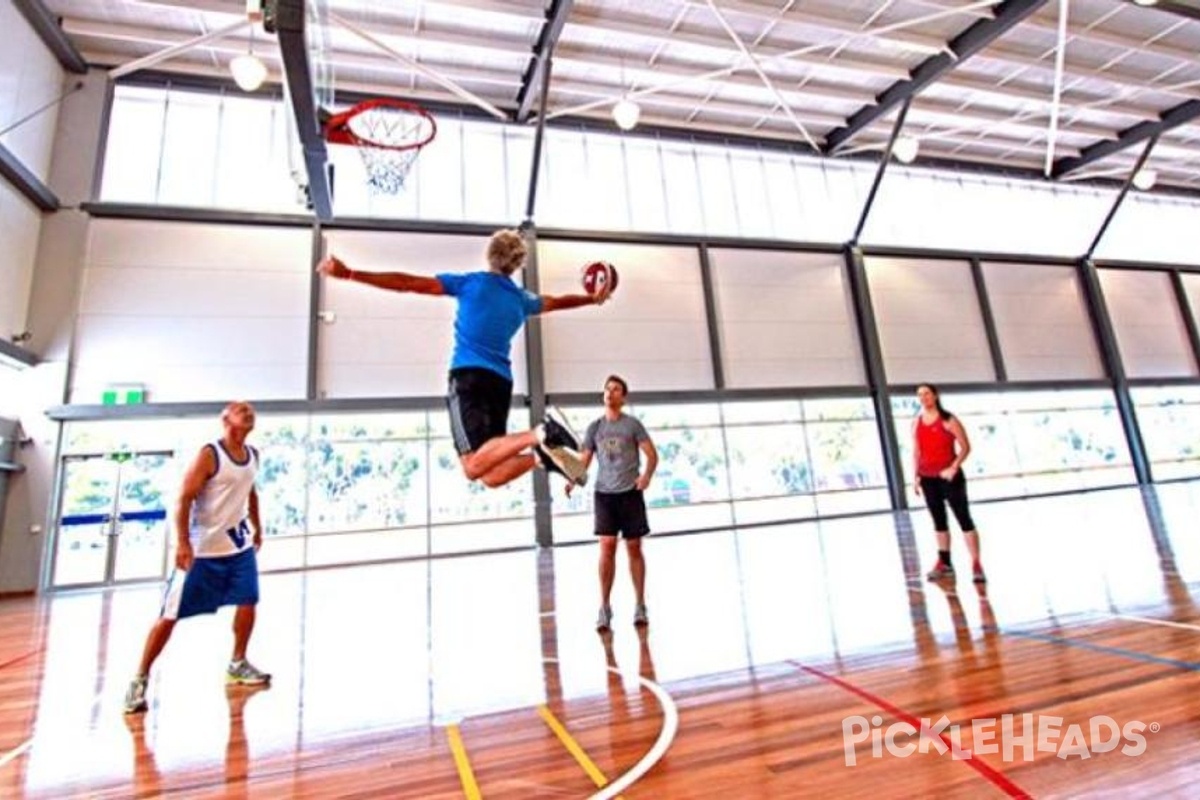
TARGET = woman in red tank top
x,y
940,446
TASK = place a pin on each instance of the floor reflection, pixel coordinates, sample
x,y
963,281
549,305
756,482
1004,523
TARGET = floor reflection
x,y
381,657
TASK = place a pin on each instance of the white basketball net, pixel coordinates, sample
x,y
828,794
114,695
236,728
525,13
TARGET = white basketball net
x,y
379,131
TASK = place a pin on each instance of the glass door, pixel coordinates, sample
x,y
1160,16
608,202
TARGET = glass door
x,y
113,521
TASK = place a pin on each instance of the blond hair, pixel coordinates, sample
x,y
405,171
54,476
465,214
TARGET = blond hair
x,y
506,251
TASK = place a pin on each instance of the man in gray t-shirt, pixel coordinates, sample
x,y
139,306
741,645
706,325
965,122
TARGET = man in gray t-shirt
x,y
617,441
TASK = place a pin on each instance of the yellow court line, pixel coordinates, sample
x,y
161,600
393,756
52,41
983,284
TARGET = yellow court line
x,y
573,747
465,774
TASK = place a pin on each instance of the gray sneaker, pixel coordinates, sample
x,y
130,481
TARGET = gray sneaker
x,y
567,463
640,617
941,572
135,696
246,674
604,619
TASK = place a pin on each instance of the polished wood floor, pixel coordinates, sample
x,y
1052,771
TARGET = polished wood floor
x,y
482,676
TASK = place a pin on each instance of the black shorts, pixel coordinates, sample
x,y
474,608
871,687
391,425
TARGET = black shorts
x,y
624,513
478,400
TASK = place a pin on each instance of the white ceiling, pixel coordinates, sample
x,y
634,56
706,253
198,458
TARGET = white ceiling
x,y
821,61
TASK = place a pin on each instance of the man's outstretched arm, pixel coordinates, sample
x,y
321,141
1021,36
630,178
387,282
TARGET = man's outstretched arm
x,y
392,281
564,301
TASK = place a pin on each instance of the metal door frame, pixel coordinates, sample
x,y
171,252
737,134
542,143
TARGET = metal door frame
x,y
112,520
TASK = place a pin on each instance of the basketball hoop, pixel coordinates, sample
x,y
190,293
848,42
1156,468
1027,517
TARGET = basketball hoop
x,y
389,135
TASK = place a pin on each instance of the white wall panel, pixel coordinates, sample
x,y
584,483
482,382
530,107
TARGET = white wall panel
x,y
785,319
1042,322
20,225
193,312
387,344
30,77
652,332
1150,331
930,323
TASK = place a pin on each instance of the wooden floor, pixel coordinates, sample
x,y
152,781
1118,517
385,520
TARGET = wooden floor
x,y
482,676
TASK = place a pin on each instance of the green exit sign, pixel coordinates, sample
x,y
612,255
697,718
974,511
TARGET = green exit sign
x,y
123,395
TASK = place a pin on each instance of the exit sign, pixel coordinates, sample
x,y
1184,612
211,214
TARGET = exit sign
x,y
123,395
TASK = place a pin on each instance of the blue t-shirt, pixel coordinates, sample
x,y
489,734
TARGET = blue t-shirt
x,y
491,309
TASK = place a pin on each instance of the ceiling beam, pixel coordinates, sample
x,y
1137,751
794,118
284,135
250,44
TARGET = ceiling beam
x,y
24,181
1181,114
46,26
1183,8
962,47
298,74
234,45
16,355
552,28
570,57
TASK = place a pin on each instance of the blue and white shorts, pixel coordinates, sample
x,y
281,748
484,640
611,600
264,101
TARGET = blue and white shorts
x,y
210,584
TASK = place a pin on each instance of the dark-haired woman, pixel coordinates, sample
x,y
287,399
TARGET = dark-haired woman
x,y
940,446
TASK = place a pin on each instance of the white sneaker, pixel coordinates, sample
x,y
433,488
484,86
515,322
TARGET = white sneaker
x,y
565,462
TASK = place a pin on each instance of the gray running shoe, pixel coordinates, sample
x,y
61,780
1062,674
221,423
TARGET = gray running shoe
x,y
246,674
135,696
941,572
604,619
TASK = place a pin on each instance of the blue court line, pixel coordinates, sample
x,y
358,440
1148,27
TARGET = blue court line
x,y
1193,666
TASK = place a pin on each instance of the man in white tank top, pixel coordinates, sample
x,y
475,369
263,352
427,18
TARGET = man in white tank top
x,y
218,533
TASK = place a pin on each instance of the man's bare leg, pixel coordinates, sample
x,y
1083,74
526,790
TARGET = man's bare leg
x,y
508,470
495,452
155,642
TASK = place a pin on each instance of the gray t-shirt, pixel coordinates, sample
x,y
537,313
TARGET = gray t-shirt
x,y
615,444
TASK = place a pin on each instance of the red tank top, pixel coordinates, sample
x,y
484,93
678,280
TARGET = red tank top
x,y
936,447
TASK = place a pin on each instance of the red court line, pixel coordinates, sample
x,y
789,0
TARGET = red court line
x,y
995,776
19,659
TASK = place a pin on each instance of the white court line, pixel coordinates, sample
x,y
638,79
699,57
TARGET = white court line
x,y
665,737
1164,622
655,753
15,752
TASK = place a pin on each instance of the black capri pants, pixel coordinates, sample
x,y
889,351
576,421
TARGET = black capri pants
x,y
938,492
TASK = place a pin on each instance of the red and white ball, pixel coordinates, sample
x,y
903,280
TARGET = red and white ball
x,y
597,275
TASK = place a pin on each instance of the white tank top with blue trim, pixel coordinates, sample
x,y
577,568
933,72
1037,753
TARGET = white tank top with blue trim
x,y
220,522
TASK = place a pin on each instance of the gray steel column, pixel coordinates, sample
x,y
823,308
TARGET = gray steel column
x,y
535,367
989,320
1106,338
314,311
882,168
539,136
710,311
868,338
535,370
1120,198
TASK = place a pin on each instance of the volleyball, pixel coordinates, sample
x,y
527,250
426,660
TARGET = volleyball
x,y
598,275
